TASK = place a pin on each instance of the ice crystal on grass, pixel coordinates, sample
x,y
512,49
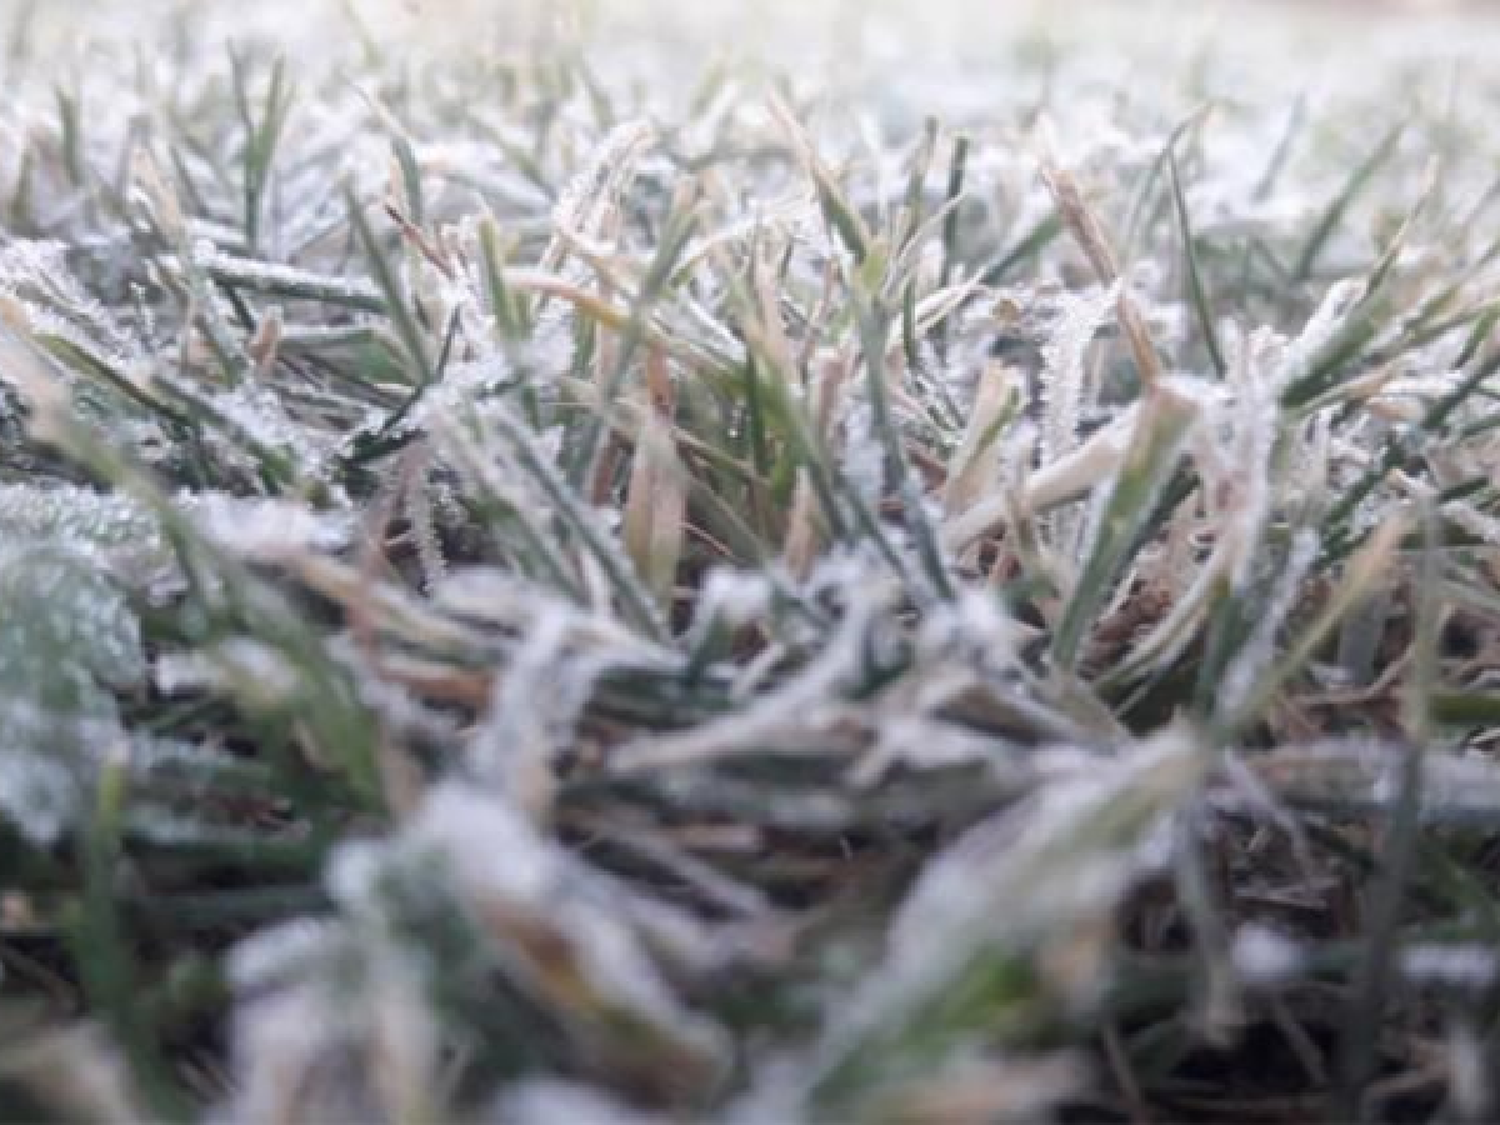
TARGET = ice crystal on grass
x,y
1064,386
40,797
1467,969
541,1101
106,529
37,274
286,282
533,714
255,416
67,626
1264,957
264,528
943,980
546,924
864,456
68,637
1260,647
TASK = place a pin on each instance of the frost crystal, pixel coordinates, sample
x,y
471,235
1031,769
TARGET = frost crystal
x,y
1472,968
864,454
266,529
1063,379
1264,957
39,796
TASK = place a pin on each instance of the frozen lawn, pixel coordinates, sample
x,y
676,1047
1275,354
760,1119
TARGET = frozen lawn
x,y
789,562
